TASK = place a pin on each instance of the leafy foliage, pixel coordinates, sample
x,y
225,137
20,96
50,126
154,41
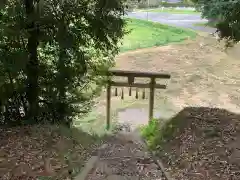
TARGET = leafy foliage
x,y
151,132
158,131
226,13
51,53
177,4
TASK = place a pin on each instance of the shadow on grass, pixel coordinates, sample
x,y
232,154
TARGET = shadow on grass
x,y
55,152
202,135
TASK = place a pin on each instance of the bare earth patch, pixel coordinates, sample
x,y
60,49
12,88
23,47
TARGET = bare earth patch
x,y
205,81
202,73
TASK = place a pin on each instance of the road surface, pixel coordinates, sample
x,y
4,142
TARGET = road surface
x,y
179,20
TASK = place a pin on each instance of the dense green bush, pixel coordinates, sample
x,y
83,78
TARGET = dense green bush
x,y
144,5
131,4
51,52
226,14
141,4
157,132
180,4
151,132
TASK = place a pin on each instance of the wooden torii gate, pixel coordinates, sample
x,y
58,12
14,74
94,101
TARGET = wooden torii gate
x,y
131,75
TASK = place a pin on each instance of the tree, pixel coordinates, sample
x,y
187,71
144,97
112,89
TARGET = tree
x,y
227,14
32,66
51,53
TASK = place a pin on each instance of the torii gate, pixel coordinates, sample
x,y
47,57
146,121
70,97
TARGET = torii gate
x,y
131,75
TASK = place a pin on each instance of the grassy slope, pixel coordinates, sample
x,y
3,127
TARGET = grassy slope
x,y
209,24
173,11
145,34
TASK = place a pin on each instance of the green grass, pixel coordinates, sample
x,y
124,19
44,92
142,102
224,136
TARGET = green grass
x,y
209,24
173,11
158,132
93,123
145,34
151,133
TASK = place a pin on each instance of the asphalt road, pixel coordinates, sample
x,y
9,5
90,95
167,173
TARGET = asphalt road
x,y
179,20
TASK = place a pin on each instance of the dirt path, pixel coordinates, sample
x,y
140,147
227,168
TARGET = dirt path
x,y
124,158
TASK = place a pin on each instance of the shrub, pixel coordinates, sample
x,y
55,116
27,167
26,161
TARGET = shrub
x,y
180,4
157,132
151,132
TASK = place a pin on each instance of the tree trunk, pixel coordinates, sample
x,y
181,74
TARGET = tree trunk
x,y
62,77
33,63
62,83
